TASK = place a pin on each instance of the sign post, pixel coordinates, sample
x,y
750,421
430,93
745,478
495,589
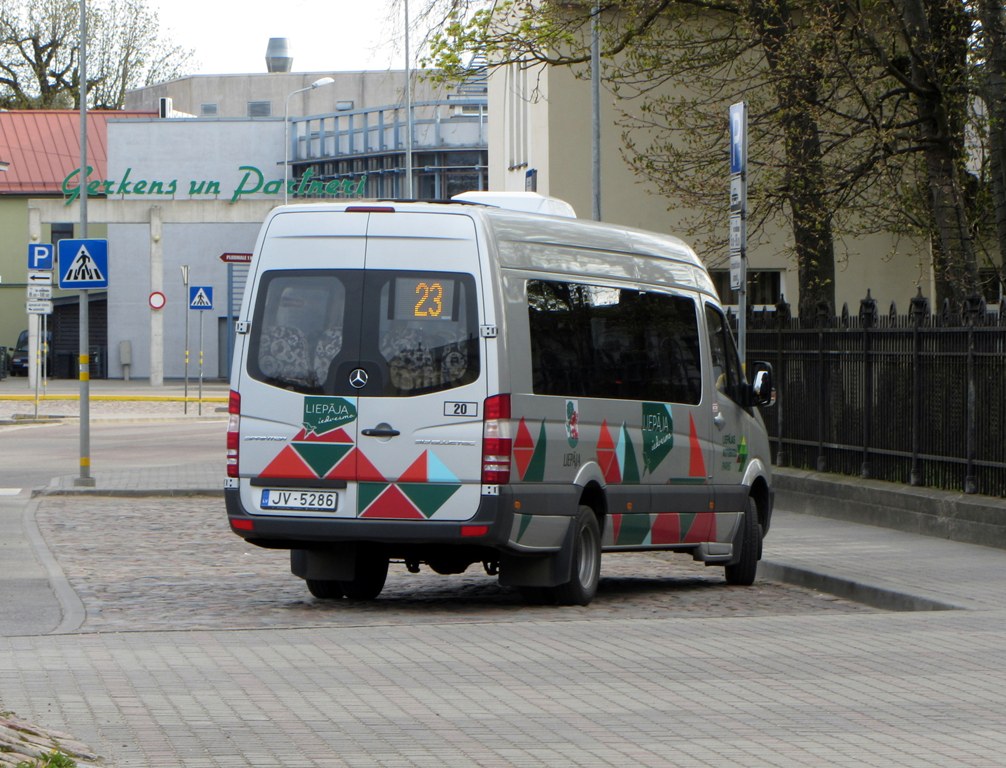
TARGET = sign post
x,y
83,265
738,218
200,298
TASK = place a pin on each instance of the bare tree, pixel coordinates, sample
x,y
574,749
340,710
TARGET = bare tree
x,y
39,52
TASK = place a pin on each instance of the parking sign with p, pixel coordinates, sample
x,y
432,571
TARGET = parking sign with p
x,y
40,256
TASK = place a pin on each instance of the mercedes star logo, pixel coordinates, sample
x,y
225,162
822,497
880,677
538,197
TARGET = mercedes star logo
x,y
358,378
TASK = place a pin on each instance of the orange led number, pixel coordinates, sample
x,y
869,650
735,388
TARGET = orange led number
x,y
431,300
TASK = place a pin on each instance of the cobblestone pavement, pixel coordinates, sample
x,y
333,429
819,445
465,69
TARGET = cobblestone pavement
x,y
198,650
172,563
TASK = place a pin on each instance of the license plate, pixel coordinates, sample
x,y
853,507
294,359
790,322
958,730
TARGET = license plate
x,y
323,501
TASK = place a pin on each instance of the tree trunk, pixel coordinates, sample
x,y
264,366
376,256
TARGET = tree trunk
x,y
993,19
797,82
938,72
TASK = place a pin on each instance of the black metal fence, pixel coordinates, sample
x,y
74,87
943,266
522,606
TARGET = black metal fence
x,y
917,398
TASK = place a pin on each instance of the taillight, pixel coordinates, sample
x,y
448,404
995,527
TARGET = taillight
x,y
233,428
497,442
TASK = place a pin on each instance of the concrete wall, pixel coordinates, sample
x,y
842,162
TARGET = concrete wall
x,y
231,93
191,153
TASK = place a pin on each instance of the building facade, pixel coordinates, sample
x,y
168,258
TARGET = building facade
x,y
181,197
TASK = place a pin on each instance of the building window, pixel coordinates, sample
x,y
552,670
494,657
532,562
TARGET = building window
x,y
764,286
208,110
259,109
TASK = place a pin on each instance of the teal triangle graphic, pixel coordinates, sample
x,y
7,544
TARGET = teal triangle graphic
x,y
437,471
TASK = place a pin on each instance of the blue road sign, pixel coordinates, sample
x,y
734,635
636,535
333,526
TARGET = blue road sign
x,y
40,256
738,137
83,264
200,297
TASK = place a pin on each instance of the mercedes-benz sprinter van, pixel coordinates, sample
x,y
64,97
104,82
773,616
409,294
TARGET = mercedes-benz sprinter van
x,y
451,384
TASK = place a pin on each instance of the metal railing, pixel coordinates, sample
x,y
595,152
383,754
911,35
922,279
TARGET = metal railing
x,y
917,398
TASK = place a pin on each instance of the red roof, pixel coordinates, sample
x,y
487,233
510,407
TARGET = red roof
x,y
42,146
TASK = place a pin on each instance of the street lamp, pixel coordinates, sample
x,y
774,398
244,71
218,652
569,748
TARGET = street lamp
x,y
286,131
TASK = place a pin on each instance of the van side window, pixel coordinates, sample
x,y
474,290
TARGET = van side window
x,y
728,376
598,341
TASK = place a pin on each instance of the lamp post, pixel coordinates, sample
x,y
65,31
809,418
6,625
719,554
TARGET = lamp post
x,y
286,131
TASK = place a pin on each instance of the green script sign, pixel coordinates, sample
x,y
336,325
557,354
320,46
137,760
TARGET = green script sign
x,y
252,182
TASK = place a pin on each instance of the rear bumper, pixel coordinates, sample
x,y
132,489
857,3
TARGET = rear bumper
x,y
490,527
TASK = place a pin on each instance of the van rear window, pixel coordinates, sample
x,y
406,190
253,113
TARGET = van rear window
x,y
411,332
598,341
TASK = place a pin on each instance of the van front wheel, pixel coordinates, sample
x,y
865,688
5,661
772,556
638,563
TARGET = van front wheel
x,y
586,566
742,573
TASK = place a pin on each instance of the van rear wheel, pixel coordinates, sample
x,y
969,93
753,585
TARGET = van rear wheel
x,y
370,575
582,587
325,589
743,572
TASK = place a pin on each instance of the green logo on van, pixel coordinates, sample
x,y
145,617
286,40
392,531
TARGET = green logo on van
x,y
658,434
323,414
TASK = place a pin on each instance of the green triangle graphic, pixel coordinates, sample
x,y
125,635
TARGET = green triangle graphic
x,y
428,497
321,457
536,468
634,530
366,493
630,472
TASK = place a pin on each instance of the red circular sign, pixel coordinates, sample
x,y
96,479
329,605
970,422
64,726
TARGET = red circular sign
x,y
157,300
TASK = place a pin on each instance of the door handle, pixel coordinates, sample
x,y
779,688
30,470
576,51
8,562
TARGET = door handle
x,y
381,431
718,420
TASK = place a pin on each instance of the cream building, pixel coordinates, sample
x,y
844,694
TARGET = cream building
x,y
540,138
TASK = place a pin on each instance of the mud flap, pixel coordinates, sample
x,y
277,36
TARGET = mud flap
x,y
337,563
549,570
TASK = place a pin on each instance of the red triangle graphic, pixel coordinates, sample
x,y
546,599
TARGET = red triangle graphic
x,y
416,473
666,529
616,526
393,504
604,441
345,469
522,456
703,528
524,439
696,464
288,464
365,471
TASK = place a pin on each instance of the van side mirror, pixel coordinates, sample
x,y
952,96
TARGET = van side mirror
x,y
762,384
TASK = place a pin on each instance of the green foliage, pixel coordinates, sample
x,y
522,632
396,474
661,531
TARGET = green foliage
x,y
39,52
55,759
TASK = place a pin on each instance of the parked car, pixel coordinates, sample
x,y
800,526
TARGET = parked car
x,y
19,360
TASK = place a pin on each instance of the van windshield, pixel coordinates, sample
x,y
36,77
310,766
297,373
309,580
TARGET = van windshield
x,y
412,332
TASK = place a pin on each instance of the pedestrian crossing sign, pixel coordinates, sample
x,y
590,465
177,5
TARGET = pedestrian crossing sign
x,y
83,264
200,297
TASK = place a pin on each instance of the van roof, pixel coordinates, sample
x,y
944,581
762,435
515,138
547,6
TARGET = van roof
x,y
524,226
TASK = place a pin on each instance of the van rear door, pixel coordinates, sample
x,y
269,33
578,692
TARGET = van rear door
x,y
296,436
420,378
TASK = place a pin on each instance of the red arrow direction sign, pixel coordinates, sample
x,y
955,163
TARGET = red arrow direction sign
x,y
236,258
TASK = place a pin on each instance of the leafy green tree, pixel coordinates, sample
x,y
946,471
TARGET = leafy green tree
x,y
858,111
40,56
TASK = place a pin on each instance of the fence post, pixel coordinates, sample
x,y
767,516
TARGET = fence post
x,y
919,311
823,316
974,306
867,319
782,317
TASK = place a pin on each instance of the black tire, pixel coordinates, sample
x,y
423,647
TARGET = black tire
x,y
325,589
371,573
743,572
586,570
